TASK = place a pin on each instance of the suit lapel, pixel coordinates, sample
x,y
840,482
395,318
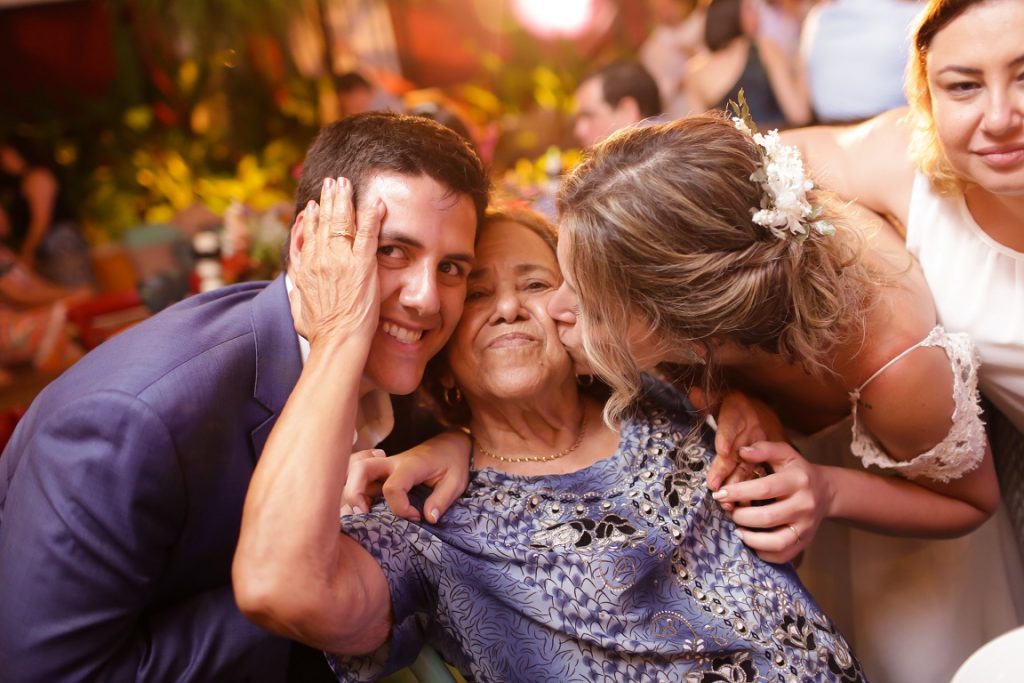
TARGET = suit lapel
x,y
278,361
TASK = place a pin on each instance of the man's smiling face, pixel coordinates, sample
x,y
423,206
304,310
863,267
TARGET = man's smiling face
x,y
423,259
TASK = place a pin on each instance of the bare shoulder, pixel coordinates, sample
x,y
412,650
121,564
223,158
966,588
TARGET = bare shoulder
x,y
909,406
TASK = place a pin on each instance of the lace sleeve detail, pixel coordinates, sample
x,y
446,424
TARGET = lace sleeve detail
x,y
963,448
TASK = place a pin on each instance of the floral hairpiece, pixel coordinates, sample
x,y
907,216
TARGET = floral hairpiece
x,y
784,208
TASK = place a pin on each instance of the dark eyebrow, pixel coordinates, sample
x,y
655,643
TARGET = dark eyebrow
x,y
971,71
402,238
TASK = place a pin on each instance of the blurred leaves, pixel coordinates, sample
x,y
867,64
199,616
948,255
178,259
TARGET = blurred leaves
x,y
207,107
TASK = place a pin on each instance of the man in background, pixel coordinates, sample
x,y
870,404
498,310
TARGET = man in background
x,y
616,96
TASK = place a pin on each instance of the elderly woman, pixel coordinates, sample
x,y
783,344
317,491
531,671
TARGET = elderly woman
x,y
577,553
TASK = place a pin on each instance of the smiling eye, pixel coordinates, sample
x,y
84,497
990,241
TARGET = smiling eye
x,y
962,87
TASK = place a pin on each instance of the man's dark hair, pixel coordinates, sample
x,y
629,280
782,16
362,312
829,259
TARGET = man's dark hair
x,y
359,147
629,78
351,80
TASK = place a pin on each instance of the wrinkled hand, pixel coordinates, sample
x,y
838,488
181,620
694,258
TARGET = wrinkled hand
x,y
441,462
336,291
799,493
742,420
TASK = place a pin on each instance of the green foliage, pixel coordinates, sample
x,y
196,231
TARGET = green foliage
x,y
204,92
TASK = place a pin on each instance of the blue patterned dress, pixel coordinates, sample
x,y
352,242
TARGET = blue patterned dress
x,y
627,570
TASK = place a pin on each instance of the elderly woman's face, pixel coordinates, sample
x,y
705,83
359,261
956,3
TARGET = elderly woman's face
x,y
506,345
976,78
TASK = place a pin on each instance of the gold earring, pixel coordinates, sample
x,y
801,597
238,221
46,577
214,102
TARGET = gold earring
x,y
452,396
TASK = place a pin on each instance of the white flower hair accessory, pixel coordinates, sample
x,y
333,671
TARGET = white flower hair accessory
x,y
784,208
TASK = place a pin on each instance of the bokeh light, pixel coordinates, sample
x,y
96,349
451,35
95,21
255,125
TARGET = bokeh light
x,y
547,19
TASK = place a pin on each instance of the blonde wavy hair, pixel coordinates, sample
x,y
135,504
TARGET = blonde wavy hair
x,y
925,147
658,223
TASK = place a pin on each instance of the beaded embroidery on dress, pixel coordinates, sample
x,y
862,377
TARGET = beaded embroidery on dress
x,y
626,570
963,449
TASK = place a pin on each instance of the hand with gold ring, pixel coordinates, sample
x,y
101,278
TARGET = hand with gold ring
x,y
336,292
798,494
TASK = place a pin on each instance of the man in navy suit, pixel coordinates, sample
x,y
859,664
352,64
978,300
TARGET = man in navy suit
x,y
121,491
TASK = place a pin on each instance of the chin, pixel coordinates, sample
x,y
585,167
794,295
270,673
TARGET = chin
x,y
395,381
1006,187
401,387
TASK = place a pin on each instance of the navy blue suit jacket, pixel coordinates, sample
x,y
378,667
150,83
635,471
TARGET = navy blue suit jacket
x,y
121,497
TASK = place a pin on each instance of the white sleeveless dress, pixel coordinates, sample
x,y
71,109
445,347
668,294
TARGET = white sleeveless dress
x,y
978,286
914,610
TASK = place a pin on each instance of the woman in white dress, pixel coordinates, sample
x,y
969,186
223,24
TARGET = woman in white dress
x,y
951,171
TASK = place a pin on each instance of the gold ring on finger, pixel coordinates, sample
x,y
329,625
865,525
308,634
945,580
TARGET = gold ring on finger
x,y
795,532
342,233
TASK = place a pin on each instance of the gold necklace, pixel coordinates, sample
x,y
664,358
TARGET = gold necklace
x,y
539,458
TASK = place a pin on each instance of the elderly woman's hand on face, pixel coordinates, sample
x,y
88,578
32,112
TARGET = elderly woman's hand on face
x,y
335,266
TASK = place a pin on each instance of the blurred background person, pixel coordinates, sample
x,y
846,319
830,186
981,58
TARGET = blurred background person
x,y
782,21
678,34
854,53
616,96
355,93
42,229
743,57
444,115
33,320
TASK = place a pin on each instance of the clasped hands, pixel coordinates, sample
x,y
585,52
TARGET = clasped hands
x,y
774,495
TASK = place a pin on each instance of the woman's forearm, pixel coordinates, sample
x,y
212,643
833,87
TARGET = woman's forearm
x,y
898,507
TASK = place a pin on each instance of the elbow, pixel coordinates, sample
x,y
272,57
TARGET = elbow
x,y
972,519
268,597
974,513
296,607
988,504
273,607
257,594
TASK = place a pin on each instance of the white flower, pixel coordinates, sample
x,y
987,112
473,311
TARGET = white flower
x,y
784,207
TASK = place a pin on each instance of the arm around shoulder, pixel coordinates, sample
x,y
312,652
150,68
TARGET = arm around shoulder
x,y
868,162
